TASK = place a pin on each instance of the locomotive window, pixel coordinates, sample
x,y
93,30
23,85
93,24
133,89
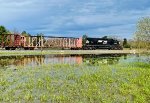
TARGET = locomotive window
x,y
100,41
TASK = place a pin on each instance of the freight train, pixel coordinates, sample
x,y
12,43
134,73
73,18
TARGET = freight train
x,y
13,41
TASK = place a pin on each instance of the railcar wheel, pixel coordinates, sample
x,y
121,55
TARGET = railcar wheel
x,y
26,48
7,48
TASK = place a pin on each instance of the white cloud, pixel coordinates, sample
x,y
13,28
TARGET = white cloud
x,y
72,16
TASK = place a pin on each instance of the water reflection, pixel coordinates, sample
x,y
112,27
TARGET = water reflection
x,y
102,59
60,59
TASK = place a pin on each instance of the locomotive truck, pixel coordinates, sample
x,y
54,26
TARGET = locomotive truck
x,y
13,41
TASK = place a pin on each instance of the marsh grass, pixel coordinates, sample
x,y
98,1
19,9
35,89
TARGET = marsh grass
x,y
64,83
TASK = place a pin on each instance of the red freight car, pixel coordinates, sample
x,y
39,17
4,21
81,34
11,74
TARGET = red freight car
x,y
10,41
13,41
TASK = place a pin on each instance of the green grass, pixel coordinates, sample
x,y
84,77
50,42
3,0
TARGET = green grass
x,y
64,83
44,52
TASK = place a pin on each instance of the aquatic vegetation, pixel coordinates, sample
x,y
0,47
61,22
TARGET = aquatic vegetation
x,y
72,83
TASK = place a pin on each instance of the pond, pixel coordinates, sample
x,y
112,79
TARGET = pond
x,y
75,78
37,60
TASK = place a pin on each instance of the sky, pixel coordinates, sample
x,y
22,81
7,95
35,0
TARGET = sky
x,y
74,18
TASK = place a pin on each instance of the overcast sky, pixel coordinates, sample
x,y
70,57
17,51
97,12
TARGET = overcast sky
x,y
74,18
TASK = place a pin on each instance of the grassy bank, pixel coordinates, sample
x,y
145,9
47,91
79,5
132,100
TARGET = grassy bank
x,y
44,52
64,83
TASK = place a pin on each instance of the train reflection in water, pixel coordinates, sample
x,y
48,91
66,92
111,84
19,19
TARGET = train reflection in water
x,y
60,59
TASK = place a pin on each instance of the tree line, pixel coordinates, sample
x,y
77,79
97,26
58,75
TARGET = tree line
x,y
3,30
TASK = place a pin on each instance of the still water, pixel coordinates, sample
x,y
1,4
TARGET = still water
x,y
35,60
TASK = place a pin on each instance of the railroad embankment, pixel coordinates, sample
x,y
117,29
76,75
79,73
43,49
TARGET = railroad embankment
x,y
46,52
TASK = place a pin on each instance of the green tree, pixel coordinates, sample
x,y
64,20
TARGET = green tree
x,y
3,38
84,38
3,30
105,37
142,34
24,33
125,43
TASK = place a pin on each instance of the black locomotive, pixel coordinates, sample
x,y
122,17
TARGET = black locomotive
x,y
101,43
